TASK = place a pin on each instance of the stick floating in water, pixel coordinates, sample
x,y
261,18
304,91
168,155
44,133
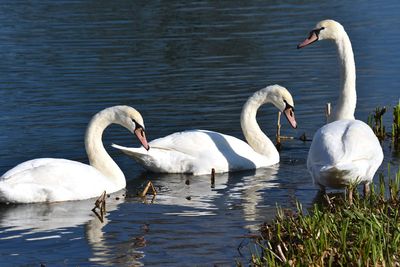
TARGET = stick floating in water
x,y
148,186
101,205
212,178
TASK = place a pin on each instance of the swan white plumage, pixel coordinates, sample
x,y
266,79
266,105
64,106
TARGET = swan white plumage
x,y
344,151
50,179
199,151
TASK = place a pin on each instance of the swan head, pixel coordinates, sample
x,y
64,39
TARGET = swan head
x,y
282,100
324,30
131,119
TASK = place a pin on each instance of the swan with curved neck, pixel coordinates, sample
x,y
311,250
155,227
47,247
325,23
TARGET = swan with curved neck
x,y
345,151
50,179
199,151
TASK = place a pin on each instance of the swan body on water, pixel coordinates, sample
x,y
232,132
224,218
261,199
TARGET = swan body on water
x,y
50,179
344,151
199,151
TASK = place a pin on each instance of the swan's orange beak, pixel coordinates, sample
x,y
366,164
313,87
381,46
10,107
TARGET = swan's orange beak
x,y
289,114
139,132
311,39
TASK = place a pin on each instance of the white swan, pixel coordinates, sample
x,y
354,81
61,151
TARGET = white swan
x,y
199,151
49,179
345,151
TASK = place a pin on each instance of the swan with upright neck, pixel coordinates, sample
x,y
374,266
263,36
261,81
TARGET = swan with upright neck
x,y
345,151
199,151
51,180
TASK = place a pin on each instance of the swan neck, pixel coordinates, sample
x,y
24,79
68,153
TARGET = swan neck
x,y
97,154
252,131
346,103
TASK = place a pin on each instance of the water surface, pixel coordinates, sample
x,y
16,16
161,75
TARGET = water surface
x,y
183,66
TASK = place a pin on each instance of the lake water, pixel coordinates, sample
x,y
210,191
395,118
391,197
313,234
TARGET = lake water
x,y
183,65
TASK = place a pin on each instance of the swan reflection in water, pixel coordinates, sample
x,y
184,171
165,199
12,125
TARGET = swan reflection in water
x,y
54,221
236,200
197,195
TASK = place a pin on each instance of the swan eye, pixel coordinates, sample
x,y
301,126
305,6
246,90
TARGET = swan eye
x,y
288,106
316,32
137,125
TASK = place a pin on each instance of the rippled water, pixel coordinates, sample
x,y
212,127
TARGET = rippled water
x,y
183,65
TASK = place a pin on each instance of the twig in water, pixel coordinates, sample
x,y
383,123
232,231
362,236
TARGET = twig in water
x,y
146,189
327,111
283,137
212,178
101,205
304,138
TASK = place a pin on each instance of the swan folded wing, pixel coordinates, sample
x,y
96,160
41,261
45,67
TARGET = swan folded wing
x,y
197,152
347,149
27,165
362,144
47,179
158,159
188,142
203,143
192,151
191,143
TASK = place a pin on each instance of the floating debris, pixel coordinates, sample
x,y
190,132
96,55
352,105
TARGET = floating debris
x,y
100,204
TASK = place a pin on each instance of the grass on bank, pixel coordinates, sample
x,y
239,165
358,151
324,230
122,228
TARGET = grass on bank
x,y
375,121
335,233
396,124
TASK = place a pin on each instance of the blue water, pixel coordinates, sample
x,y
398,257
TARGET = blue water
x,y
183,65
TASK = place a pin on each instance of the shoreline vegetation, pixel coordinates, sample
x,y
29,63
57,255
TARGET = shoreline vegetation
x,y
375,121
334,231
